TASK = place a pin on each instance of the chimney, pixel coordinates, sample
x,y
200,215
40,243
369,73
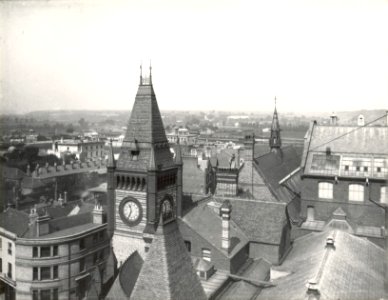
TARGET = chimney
x,y
333,119
64,197
42,225
33,215
98,213
226,210
28,170
60,200
360,120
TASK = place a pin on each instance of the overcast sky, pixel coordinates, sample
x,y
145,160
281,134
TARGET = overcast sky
x,y
313,55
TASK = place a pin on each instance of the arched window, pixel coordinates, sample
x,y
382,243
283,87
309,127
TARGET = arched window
x,y
356,192
325,190
383,195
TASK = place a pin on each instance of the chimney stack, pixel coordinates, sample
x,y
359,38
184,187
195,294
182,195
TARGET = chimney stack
x,y
226,210
64,197
333,119
98,213
33,215
60,200
360,120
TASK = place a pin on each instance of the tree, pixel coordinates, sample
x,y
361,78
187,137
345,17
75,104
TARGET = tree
x,y
83,124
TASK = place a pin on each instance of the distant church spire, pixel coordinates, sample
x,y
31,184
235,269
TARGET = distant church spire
x,y
141,74
275,141
150,73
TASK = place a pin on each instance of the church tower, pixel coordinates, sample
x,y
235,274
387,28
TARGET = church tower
x,y
275,141
145,175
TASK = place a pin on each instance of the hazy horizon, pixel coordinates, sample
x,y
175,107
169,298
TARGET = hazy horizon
x,y
314,56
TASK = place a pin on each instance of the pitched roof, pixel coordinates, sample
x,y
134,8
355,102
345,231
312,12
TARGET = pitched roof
x,y
127,277
261,221
11,173
208,224
260,190
193,177
167,272
275,166
353,269
15,221
369,139
228,158
329,150
145,129
240,290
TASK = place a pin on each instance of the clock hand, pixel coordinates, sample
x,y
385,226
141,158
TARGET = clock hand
x,y
130,212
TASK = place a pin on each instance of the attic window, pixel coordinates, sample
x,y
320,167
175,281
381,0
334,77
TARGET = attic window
x,y
135,154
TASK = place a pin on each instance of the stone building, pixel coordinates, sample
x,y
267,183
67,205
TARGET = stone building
x,y
54,254
82,149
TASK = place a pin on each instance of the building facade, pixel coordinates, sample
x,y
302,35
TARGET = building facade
x,y
83,150
345,170
54,258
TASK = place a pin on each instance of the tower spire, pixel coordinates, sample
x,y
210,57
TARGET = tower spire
x,y
150,73
141,74
275,141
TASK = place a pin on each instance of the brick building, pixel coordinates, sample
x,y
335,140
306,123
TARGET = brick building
x,y
144,175
344,169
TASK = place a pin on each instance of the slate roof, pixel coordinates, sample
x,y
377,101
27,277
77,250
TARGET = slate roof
x,y
145,130
11,173
208,224
167,272
225,159
352,270
14,221
368,140
193,177
127,277
240,290
260,190
275,166
260,221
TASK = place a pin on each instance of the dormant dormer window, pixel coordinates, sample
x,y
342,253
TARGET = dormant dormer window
x,y
135,154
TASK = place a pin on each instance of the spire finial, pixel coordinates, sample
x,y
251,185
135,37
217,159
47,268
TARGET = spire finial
x,y
150,73
275,102
141,73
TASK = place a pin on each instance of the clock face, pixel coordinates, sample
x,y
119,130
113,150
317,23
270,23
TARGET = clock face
x,y
130,211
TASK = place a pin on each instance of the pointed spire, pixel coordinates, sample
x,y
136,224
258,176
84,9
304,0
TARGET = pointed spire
x,y
167,271
150,73
178,152
275,140
111,158
141,74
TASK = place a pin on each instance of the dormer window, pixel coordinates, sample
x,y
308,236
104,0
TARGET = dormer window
x,y
135,154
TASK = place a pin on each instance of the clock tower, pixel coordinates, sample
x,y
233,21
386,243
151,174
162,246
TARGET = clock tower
x,y
145,174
